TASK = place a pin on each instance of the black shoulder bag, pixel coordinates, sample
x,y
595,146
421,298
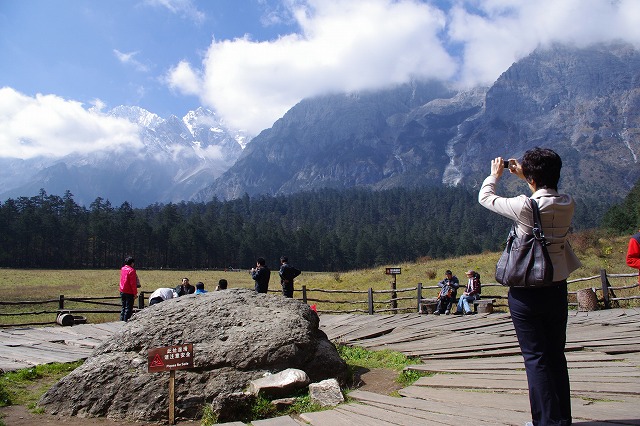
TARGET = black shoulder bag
x,y
525,261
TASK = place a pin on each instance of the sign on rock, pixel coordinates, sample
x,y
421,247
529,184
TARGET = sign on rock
x,y
170,358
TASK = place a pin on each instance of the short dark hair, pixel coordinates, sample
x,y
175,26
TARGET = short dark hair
x,y
222,284
129,260
448,272
284,259
542,165
261,261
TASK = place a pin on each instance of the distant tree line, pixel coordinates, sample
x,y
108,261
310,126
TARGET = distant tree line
x,y
624,218
323,230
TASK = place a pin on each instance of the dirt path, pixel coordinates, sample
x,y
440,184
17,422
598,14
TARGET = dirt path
x,y
378,380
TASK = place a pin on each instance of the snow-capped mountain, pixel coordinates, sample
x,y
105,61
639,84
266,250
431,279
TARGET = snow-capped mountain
x,y
178,158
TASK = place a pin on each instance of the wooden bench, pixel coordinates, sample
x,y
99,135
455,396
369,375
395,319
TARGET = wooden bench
x,y
428,306
483,306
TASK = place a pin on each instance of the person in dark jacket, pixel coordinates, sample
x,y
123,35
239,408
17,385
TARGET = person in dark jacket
x,y
448,290
185,288
287,274
261,275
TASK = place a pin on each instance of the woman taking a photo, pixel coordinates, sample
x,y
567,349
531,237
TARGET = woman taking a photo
x,y
539,314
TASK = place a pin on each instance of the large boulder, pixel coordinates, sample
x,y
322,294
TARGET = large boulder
x,y
237,336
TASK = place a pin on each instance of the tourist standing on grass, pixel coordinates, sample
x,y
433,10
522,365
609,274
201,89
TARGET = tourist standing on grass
x,y
128,288
633,253
287,274
539,314
261,275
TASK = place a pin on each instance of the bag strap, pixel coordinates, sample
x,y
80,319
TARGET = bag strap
x,y
537,223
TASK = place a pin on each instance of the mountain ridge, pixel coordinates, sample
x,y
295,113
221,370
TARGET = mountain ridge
x,y
584,103
179,157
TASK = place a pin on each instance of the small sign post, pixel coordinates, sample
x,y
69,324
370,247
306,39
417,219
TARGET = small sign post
x,y
171,358
394,295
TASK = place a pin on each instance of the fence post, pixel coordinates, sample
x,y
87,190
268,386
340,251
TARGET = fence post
x,y
419,296
141,300
61,302
304,294
370,301
605,288
394,295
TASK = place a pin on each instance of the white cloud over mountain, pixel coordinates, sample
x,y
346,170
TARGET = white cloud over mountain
x,y
353,45
47,125
335,46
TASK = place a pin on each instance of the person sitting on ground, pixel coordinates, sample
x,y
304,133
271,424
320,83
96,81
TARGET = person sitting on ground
x,y
200,288
471,293
161,294
185,288
222,285
448,289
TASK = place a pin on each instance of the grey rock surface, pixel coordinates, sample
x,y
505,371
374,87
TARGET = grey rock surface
x,y
237,336
326,393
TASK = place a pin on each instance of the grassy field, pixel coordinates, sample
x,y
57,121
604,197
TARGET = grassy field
x,y
595,250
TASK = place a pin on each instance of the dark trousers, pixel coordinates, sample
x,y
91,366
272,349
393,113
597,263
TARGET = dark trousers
x,y
287,288
540,319
155,300
127,306
445,304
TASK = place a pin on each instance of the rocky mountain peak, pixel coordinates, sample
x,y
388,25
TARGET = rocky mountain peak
x,y
582,102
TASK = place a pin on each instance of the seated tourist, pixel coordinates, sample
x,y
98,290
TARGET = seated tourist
x,y
448,289
200,288
222,284
471,293
162,294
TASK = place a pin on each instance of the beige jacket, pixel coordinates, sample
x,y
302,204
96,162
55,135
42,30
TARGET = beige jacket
x,y
556,213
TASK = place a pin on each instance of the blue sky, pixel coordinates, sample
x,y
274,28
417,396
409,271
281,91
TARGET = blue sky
x,y
65,63
118,51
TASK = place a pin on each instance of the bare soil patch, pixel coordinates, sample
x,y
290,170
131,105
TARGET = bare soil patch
x,y
377,380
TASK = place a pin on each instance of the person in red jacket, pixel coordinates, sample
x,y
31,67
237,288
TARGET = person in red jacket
x,y
128,288
633,253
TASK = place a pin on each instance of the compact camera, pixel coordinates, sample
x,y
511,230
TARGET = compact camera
x,y
506,164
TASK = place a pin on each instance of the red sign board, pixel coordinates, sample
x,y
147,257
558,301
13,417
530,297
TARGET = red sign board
x,y
170,358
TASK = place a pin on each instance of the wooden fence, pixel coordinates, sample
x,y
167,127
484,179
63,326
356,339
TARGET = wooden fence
x,y
369,301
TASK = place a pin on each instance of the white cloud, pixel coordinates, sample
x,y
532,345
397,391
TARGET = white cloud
x,y
47,125
343,46
184,79
346,45
499,32
129,59
184,8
